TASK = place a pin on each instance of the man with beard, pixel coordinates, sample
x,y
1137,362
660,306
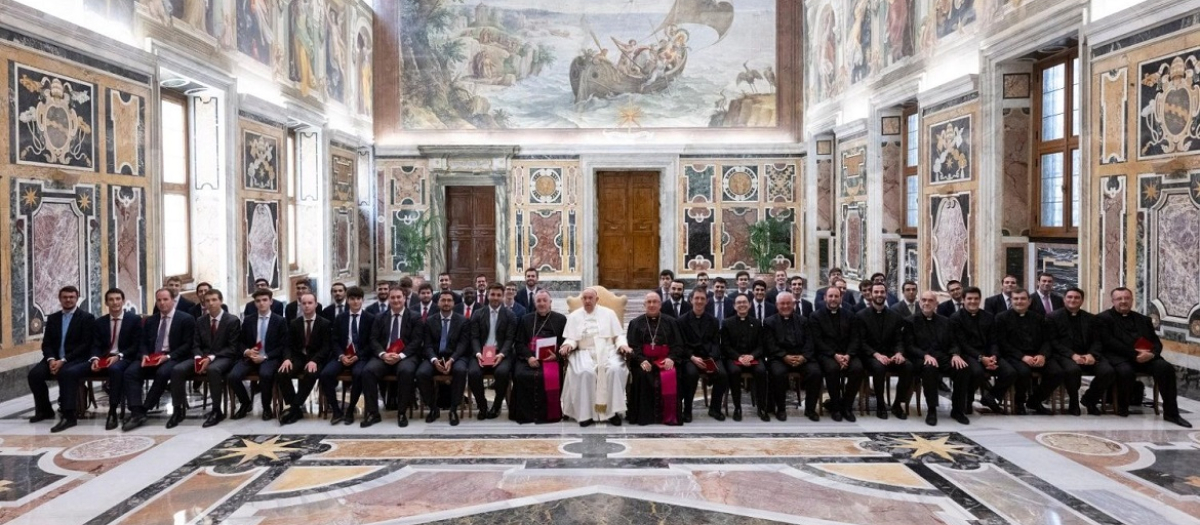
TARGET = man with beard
x,y
1023,339
954,303
789,343
882,341
492,326
701,334
974,333
673,305
537,383
836,349
721,304
934,352
657,353
1077,350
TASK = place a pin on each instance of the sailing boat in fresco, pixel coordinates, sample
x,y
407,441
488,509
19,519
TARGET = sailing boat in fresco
x,y
647,68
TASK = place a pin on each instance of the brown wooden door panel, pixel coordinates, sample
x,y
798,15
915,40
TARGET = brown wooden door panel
x,y
627,229
470,233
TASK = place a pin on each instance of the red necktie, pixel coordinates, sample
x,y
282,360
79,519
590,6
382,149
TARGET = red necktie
x,y
213,329
113,340
468,312
424,312
307,330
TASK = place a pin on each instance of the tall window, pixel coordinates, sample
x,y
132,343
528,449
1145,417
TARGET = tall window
x,y
176,178
293,162
1056,146
912,184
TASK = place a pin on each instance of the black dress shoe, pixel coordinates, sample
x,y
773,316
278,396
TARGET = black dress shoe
x,y
1123,412
136,420
41,416
370,419
615,420
899,412
1093,410
289,416
782,415
1074,410
268,414
686,417
111,422
1038,409
716,414
942,386
812,415
849,416
63,424
336,419
482,415
241,412
737,414
216,416
402,420
1019,410
1178,421
453,418
835,415
587,423
764,415
176,418
931,418
348,419
494,413
881,413
432,415
991,403
959,418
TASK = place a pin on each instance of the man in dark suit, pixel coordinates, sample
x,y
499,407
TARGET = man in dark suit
x,y
338,293
665,278
200,309
974,334
674,304
864,297
510,301
741,343
700,332
1131,344
526,294
117,336
954,303
836,346
907,306
1045,300
382,293
759,307
306,354
292,310
396,340
251,310
721,304
469,304
789,343
849,303
350,348
481,286
168,332
217,341
67,343
264,338
1002,301
781,285
1023,338
444,285
934,355
424,306
741,282
883,344
804,307
1077,350
447,339
496,326
175,285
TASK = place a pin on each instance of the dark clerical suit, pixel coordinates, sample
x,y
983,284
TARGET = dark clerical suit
x,y
502,337
348,329
1118,335
178,342
948,307
646,403
387,328
743,336
445,338
975,336
933,336
274,340
703,339
223,345
307,344
1020,335
528,393
833,334
883,332
785,337
124,345
1076,334
72,344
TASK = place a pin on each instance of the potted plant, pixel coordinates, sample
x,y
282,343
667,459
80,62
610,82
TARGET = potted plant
x,y
768,240
412,240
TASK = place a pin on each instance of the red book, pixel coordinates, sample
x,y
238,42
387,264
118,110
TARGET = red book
x,y
397,347
1143,344
488,356
545,348
710,365
196,363
105,362
349,351
154,359
752,363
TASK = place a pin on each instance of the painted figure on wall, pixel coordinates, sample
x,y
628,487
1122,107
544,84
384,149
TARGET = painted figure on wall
x,y
952,15
307,39
335,54
827,62
898,30
859,40
366,88
256,28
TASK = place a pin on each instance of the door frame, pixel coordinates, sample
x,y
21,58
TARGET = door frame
x,y
667,167
437,206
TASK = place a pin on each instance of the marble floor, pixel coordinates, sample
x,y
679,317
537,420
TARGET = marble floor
x,y
1027,470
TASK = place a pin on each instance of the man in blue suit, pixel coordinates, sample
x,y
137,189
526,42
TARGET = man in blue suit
x,y
446,343
510,300
170,332
351,329
66,347
118,335
264,336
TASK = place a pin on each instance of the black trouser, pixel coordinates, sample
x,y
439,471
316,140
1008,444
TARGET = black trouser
x,y
1164,377
502,373
689,379
1103,376
1004,376
759,371
810,380
266,380
960,379
1051,377
69,377
115,386
295,397
328,384
173,373
406,373
218,372
902,371
841,398
458,382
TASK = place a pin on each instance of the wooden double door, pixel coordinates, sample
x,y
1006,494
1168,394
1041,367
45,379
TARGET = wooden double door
x,y
628,229
470,234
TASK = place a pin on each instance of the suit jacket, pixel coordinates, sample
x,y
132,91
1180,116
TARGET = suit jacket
x,y
457,296
319,345
946,308
805,308
79,340
293,311
198,311
1119,333
362,340
251,310
931,336
639,335
700,334
517,310
416,309
222,344
995,304
461,309
1067,341
883,332
848,300
181,336
1018,335
742,336
377,308
330,312
552,326
727,307
128,340
669,310
902,309
768,310
1035,302
974,334
506,329
412,332
458,339
277,335
774,292
184,305
524,298
833,334
784,337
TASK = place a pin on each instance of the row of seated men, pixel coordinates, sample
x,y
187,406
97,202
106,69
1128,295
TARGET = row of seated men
x,y
413,346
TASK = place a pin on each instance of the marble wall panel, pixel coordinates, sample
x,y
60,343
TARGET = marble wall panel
x,y
343,240
1114,116
398,252
262,168
263,244
893,194
546,241
781,182
698,182
950,245
1014,264
912,266
1113,227
854,164
545,204
1059,260
740,184
1177,264
1168,107
1015,219
54,119
127,244
125,128
825,194
735,246
891,264
698,226
853,240
401,199
342,171
949,148
1016,85
409,186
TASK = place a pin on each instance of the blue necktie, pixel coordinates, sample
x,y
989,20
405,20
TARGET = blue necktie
x,y
395,329
62,342
353,328
263,322
445,335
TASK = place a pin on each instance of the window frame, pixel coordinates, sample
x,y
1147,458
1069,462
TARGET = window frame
x,y
1066,146
907,173
183,189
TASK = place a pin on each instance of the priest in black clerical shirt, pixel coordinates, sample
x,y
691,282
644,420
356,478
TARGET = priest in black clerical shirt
x,y
837,352
533,399
701,335
657,353
1077,350
1023,338
974,334
935,354
1132,346
741,342
789,344
882,342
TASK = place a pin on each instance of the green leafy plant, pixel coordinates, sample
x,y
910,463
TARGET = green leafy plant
x,y
768,239
412,240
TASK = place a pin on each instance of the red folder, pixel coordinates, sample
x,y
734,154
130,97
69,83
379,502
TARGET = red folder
x,y
489,356
396,347
196,363
1143,344
545,348
349,351
153,360
105,362
710,365
752,362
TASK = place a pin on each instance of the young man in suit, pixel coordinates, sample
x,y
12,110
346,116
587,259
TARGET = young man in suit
x,y
510,300
217,345
447,337
664,284
175,285
264,338
172,333
835,273
883,346
742,281
118,334
496,326
526,295
338,293
251,310
674,304
481,286
67,344
382,293
954,303
424,307
721,304
469,305
306,354
796,285
351,329
397,323
293,310
759,307
907,306
444,285
1045,301
781,285
1002,301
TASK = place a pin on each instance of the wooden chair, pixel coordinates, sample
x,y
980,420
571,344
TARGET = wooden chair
x,y
1116,391
607,299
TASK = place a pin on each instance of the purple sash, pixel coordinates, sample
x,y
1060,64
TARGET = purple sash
x,y
656,354
551,384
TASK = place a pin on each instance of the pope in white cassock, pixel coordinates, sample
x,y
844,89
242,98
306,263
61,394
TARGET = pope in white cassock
x,y
595,347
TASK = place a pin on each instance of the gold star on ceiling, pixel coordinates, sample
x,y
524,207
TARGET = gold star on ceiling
x,y
85,201
1151,190
251,450
921,446
30,198
629,115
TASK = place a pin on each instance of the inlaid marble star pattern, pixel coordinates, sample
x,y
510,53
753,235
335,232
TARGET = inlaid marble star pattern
x,y
941,447
1151,191
250,449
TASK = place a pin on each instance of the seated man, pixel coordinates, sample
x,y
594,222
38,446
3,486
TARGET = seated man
x,y
447,338
796,285
536,392
170,333
338,292
1078,350
1023,339
510,301
1132,346
492,326
973,329
836,348
351,330
304,357
217,346
882,346
789,344
469,305
657,351
118,334
263,340
702,336
67,344
293,310
934,354
741,342
251,309
396,348
595,348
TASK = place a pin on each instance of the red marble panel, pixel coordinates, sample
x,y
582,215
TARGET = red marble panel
x,y
893,196
1015,219
854,241
1112,230
735,243
545,240
825,194
127,254
56,252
